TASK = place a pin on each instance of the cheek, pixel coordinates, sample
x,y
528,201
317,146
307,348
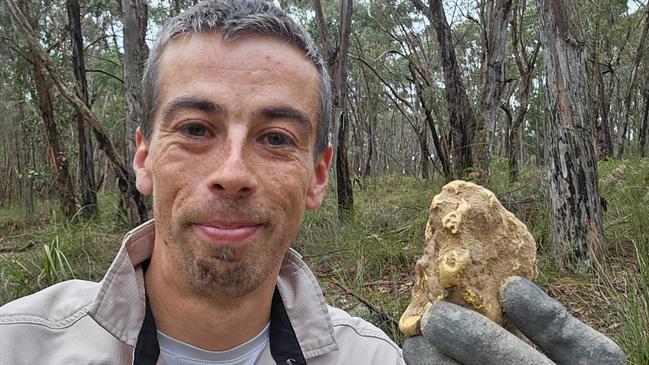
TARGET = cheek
x,y
169,176
290,188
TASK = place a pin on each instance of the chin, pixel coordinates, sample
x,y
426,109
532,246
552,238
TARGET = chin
x,y
228,278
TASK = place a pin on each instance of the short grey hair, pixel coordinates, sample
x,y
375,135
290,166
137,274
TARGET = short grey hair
x,y
233,18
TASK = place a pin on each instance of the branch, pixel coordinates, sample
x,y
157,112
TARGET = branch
x,y
14,47
107,74
324,33
27,246
412,124
396,95
95,42
369,305
62,38
126,181
107,60
421,7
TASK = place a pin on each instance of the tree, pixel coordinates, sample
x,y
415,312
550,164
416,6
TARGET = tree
x,y
337,62
87,186
495,17
135,55
644,119
604,139
525,63
132,202
58,156
639,54
576,211
461,116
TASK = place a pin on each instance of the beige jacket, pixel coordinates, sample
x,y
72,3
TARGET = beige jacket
x,y
81,322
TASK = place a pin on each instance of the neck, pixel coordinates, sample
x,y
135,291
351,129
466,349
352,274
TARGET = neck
x,y
214,325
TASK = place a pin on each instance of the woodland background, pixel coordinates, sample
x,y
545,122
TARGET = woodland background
x,y
544,102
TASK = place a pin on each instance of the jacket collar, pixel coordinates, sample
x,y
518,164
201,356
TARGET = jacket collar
x,y
120,304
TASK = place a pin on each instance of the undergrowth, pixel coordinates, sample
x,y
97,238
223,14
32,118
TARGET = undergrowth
x,y
50,249
366,264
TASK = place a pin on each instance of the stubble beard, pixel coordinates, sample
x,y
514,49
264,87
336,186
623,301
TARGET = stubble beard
x,y
227,272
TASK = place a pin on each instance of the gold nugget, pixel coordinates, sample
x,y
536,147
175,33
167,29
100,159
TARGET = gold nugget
x,y
472,245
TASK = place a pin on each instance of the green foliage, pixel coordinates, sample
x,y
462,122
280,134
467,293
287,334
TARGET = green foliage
x,y
56,266
623,269
50,249
373,253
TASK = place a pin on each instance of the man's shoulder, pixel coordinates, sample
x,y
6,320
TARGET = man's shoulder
x,y
54,325
358,335
56,306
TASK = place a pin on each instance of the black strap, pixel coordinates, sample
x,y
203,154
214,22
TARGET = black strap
x,y
283,343
284,346
147,348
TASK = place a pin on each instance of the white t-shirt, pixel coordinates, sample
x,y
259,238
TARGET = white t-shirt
x,y
176,352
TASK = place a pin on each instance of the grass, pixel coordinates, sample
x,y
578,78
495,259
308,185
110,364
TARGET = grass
x,y
623,271
366,265
51,249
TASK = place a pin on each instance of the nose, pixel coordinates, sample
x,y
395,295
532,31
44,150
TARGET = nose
x,y
232,175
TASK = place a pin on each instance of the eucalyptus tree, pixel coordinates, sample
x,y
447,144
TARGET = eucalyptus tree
x,y
406,69
461,116
495,16
132,202
525,62
639,55
59,157
136,51
86,166
576,225
336,58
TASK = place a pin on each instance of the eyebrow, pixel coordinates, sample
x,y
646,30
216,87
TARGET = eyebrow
x,y
189,103
286,111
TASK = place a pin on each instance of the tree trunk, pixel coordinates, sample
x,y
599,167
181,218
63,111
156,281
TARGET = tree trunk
x,y
495,20
424,157
26,187
87,186
604,140
58,156
515,130
367,169
337,62
135,55
630,86
576,212
643,123
460,111
442,154
176,7
345,193
525,64
132,203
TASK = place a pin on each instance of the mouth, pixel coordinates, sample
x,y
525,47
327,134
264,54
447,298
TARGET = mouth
x,y
227,233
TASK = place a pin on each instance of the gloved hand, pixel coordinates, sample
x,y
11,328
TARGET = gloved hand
x,y
455,335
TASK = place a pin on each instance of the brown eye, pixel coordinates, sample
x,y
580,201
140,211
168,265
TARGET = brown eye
x,y
195,130
277,140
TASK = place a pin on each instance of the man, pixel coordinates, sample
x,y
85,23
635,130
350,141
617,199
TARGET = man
x,y
233,149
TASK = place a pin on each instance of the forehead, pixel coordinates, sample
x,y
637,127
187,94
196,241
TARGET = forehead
x,y
251,64
212,43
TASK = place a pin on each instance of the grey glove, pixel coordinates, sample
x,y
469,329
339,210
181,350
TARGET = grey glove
x,y
455,335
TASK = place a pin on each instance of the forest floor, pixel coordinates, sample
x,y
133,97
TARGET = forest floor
x,y
366,265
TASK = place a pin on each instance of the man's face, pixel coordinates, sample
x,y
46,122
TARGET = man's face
x,y
230,161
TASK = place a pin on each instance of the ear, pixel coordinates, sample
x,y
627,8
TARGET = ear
x,y
143,179
315,194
